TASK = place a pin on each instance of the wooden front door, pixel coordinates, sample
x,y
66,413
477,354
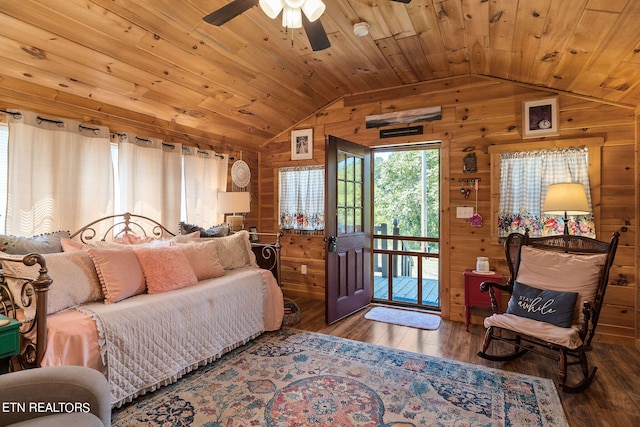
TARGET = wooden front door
x,y
347,228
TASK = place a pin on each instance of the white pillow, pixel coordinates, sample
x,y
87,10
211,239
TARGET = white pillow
x,y
559,271
233,251
75,281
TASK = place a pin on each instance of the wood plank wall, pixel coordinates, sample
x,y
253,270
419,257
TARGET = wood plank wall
x,y
476,112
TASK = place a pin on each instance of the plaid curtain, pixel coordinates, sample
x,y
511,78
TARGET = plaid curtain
x,y
302,198
524,179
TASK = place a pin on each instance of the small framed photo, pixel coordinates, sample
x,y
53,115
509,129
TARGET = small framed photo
x,y
540,118
302,144
253,236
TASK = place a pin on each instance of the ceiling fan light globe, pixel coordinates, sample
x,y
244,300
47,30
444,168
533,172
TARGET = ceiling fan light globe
x,y
313,9
291,18
295,4
271,8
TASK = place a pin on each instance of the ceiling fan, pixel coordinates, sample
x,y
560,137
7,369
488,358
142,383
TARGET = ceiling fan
x,y
291,16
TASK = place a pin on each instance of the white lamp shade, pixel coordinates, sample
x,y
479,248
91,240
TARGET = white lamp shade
x,y
566,198
291,18
271,8
234,202
313,9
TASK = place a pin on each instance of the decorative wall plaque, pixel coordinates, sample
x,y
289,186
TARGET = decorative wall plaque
x,y
470,163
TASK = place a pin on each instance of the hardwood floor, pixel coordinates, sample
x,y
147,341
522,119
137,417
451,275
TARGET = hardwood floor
x,y
612,400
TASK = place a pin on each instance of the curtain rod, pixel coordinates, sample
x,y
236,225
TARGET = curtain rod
x,y
96,131
208,153
58,123
188,148
81,127
17,115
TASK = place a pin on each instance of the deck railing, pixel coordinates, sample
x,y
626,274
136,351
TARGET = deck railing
x,y
396,256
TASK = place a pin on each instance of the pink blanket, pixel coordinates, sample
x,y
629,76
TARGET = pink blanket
x,y
73,336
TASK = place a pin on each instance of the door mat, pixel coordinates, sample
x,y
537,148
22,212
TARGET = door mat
x,y
402,317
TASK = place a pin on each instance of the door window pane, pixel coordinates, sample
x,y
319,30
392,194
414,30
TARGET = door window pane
x,y
342,220
357,176
342,166
358,221
349,197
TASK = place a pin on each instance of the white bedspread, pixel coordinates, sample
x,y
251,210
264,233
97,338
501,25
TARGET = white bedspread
x,y
152,340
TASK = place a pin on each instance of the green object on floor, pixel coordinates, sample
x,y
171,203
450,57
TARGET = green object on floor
x,y
9,341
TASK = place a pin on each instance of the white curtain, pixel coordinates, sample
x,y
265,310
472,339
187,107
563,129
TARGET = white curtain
x,y
59,174
150,172
205,174
302,198
524,179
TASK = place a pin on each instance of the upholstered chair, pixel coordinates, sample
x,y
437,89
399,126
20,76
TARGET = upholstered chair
x,y
65,396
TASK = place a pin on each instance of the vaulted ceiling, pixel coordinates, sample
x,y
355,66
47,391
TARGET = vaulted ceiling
x,y
156,64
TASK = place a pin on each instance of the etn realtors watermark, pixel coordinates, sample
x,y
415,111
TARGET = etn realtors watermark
x,y
45,407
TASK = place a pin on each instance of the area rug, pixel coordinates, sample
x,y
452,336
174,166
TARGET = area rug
x,y
295,378
399,316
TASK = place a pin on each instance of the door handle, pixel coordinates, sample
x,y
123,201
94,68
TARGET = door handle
x,y
332,243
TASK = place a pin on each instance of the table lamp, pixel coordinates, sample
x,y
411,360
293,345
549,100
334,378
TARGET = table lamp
x,y
235,203
566,198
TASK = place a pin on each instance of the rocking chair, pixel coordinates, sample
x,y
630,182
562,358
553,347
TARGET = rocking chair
x,y
557,287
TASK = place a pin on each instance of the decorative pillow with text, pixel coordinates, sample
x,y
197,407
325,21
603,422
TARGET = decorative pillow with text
x,y
544,305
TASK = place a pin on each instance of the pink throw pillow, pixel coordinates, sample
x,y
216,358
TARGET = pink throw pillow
x,y
165,268
186,238
69,245
205,263
132,239
119,272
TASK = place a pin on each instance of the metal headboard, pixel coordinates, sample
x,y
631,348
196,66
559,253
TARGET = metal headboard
x,y
122,224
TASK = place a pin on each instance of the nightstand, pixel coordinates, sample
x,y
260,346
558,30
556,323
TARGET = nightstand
x,y
272,264
9,342
472,295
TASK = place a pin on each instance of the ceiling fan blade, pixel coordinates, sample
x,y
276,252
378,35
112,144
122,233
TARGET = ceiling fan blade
x,y
230,11
316,34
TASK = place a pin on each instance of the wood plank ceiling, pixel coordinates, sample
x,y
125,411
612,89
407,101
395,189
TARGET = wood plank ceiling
x,y
157,64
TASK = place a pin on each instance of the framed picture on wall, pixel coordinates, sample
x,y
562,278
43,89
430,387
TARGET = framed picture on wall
x,y
540,118
254,238
302,144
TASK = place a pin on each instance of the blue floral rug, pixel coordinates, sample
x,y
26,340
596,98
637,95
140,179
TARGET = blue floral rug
x,y
295,378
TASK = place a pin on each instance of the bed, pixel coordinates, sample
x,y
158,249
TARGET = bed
x,y
127,297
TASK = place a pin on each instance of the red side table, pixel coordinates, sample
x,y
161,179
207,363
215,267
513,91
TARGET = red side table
x,y
472,295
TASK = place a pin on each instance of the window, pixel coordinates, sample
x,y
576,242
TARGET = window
x,y
521,174
302,198
61,215
4,144
524,179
